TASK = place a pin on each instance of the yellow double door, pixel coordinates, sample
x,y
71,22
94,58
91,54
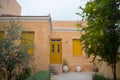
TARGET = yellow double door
x,y
55,52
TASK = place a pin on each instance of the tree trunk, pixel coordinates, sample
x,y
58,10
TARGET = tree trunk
x,y
9,75
114,71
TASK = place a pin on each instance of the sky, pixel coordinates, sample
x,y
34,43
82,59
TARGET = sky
x,y
61,10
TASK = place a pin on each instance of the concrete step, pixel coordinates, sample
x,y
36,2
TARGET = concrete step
x,y
55,68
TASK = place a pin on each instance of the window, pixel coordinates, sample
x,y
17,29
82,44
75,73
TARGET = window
x,y
28,41
58,48
77,47
53,48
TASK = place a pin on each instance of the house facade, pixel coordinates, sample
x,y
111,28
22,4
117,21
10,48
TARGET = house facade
x,y
55,41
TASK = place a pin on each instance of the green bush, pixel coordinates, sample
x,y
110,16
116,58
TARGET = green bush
x,y
25,74
41,75
99,77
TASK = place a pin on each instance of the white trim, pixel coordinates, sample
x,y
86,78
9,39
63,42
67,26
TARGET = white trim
x,y
26,18
65,29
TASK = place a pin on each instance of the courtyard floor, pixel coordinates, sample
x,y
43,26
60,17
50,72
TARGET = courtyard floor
x,y
73,76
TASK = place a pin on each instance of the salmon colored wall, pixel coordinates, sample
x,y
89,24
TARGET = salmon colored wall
x,y
41,40
10,7
66,24
43,34
107,71
67,50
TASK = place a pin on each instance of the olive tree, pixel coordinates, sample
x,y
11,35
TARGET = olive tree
x,y
14,59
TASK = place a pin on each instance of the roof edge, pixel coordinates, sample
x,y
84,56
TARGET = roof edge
x,y
24,18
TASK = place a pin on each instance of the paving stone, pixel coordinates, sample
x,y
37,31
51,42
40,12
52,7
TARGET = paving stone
x,y
73,76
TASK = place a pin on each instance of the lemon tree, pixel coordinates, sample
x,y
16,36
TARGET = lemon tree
x,y
102,35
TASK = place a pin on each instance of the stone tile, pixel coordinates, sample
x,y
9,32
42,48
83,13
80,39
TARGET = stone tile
x,y
73,76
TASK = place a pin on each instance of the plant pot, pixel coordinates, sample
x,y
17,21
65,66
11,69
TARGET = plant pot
x,y
65,68
78,68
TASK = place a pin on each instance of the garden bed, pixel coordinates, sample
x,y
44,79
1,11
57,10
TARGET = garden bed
x,y
41,75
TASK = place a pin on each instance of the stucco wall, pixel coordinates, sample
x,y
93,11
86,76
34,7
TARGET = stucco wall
x,y
66,24
107,71
41,40
10,7
66,34
73,61
42,32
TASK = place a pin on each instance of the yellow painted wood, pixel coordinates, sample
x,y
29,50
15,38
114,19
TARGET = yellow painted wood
x,y
77,47
56,52
1,34
1,40
28,39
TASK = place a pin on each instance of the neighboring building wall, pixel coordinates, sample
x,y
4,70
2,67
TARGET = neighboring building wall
x,y
41,27
9,7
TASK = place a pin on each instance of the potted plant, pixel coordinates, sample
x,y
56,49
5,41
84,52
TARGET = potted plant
x,y
65,66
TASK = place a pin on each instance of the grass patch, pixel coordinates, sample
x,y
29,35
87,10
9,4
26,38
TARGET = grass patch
x,y
41,75
99,77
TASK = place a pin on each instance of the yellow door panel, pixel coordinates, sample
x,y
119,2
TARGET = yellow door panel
x,y
56,52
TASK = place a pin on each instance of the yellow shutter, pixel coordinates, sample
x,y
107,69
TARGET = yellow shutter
x,y
28,39
1,40
77,47
1,34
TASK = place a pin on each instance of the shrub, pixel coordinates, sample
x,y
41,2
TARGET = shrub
x,y
14,59
41,75
99,77
25,74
